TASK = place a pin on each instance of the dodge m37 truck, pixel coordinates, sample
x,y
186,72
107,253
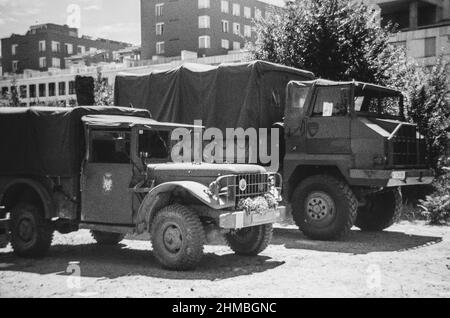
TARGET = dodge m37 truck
x,y
108,170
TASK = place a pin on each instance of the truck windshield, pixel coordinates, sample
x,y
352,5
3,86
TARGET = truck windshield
x,y
378,105
154,144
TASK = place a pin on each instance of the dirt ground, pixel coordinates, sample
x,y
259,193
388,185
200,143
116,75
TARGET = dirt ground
x,y
408,260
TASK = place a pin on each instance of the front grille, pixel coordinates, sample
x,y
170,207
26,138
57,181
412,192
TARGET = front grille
x,y
407,148
257,184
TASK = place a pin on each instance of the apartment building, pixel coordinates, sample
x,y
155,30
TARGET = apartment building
x,y
206,27
46,46
424,27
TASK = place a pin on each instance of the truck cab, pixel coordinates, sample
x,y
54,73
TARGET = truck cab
x,y
349,150
126,183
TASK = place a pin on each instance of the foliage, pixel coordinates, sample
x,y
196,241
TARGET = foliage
x,y
335,39
103,92
437,206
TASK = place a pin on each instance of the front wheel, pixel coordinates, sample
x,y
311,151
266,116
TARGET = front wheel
x,y
381,211
31,233
324,207
250,241
177,238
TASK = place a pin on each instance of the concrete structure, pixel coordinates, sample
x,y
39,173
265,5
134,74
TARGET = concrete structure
x,y
424,26
206,27
57,87
46,46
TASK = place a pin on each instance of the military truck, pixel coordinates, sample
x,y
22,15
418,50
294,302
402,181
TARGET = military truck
x,y
108,170
348,152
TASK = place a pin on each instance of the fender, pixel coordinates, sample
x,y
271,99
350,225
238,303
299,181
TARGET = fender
x,y
160,196
49,210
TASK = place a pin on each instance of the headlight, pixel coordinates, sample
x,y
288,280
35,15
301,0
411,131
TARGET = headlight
x,y
214,188
379,160
243,185
272,181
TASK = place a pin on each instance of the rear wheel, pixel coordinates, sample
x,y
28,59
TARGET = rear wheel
x,y
381,211
106,238
324,207
31,234
178,237
250,241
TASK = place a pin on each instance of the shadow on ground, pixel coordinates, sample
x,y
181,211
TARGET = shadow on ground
x,y
121,261
356,243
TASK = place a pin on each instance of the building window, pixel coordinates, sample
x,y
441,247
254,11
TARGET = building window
x,y
258,13
81,49
72,89
236,9
62,88
236,46
56,62
42,62
160,48
42,46
56,47
14,49
159,28
51,89
69,48
248,12
225,7
247,31
32,90
23,91
204,42
159,9
236,28
430,47
225,44
15,66
204,22
42,90
225,26
204,4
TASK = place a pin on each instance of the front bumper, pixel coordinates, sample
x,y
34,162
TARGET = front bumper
x,y
392,178
242,219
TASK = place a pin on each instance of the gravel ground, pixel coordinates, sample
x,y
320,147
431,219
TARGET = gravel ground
x,y
408,260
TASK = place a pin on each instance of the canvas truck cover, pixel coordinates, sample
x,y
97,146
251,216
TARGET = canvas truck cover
x,y
225,96
47,141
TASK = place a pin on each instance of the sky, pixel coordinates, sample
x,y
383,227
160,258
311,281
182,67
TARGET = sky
x,y
112,19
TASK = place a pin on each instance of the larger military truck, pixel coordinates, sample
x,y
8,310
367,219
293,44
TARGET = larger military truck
x,y
348,152
109,170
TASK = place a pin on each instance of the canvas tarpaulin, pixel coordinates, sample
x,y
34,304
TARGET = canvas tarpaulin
x,y
225,96
47,141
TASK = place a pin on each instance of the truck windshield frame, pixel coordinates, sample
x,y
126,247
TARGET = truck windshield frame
x,y
373,103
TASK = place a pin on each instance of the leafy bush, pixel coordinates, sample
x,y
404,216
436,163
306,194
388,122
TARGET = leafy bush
x,y
436,207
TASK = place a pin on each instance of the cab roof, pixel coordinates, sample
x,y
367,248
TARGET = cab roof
x,y
361,85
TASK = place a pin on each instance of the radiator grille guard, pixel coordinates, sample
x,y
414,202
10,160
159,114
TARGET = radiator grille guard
x,y
239,187
406,147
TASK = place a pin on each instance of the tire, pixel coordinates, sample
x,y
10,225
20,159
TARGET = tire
x,y
324,208
382,211
177,238
31,234
250,241
105,238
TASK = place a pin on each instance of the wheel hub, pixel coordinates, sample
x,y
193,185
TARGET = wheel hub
x,y
173,240
26,230
319,206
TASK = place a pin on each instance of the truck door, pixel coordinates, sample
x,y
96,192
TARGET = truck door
x,y
106,178
328,123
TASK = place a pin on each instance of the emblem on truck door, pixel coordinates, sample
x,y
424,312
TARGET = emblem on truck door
x,y
107,183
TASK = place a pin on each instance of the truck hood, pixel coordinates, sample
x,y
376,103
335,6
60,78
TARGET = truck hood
x,y
203,173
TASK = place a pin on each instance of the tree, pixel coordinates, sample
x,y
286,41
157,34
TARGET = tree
x,y
13,96
335,39
103,92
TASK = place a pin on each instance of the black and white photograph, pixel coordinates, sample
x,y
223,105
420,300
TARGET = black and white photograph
x,y
225,156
